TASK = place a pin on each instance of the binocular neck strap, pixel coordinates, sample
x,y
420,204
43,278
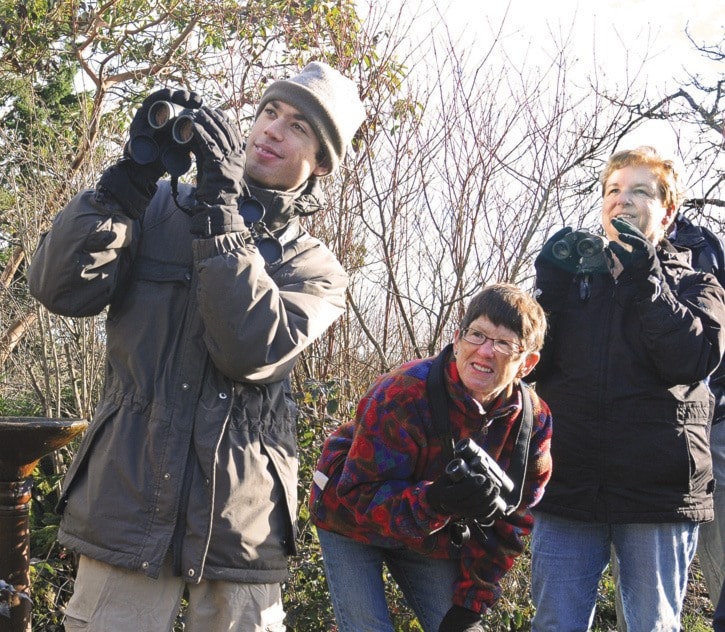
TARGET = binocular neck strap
x,y
520,456
175,196
438,398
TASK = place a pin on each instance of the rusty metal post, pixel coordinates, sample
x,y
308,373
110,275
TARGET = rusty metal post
x,y
23,442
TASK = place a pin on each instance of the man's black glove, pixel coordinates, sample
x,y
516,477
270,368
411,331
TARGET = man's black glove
x,y
460,619
132,180
554,275
471,497
220,161
640,265
219,151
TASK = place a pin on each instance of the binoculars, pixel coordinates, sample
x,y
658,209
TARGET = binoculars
x,y
173,127
581,242
472,459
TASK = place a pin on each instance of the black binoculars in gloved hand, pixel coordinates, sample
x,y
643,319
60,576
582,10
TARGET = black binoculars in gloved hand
x,y
584,243
173,130
471,460
585,247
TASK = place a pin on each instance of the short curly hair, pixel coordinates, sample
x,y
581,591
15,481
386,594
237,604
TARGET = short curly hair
x,y
670,185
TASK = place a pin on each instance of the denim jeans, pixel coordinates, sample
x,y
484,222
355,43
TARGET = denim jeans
x,y
569,557
711,544
355,578
718,621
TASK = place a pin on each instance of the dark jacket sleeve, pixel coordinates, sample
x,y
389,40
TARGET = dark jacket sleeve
x,y
688,315
258,320
85,258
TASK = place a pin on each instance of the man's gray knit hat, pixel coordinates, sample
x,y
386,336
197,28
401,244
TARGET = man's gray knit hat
x,y
328,100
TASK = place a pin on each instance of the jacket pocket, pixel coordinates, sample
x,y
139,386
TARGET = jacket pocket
x,y
106,410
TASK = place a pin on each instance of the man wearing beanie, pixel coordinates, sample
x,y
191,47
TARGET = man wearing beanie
x,y
184,485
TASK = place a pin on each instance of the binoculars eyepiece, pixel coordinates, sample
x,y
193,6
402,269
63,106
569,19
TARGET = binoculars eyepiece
x,y
164,113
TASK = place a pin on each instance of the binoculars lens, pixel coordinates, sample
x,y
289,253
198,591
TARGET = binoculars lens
x,y
269,248
561,250
183,129
176,161
251,210
160,113
589,247
581,243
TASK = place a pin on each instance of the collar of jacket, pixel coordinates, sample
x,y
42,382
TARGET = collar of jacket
x,y
685,234
280,207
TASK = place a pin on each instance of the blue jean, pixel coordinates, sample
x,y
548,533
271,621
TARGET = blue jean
x,y
711,541
569,557
355,578
718,621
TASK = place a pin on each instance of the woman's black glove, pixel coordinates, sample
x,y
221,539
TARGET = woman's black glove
x,y
640,265
553,275
132,180
471,497
219,151
460,619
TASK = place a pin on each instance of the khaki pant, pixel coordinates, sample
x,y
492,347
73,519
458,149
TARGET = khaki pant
x,y
107,598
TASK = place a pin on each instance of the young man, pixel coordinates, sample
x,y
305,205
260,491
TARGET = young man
x,y
186,478
624,370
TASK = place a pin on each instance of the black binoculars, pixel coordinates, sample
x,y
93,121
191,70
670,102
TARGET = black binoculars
x,y
581,242
471,459
173,127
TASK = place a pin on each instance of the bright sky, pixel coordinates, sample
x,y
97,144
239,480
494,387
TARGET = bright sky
x,y
612,35
613,27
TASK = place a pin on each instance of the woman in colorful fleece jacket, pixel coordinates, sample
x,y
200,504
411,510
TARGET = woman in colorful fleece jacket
x,y
381,494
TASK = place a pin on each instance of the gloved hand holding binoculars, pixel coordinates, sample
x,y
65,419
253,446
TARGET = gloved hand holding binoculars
x,y
471,485
639,261
565,255
132,180
219,151
170,127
